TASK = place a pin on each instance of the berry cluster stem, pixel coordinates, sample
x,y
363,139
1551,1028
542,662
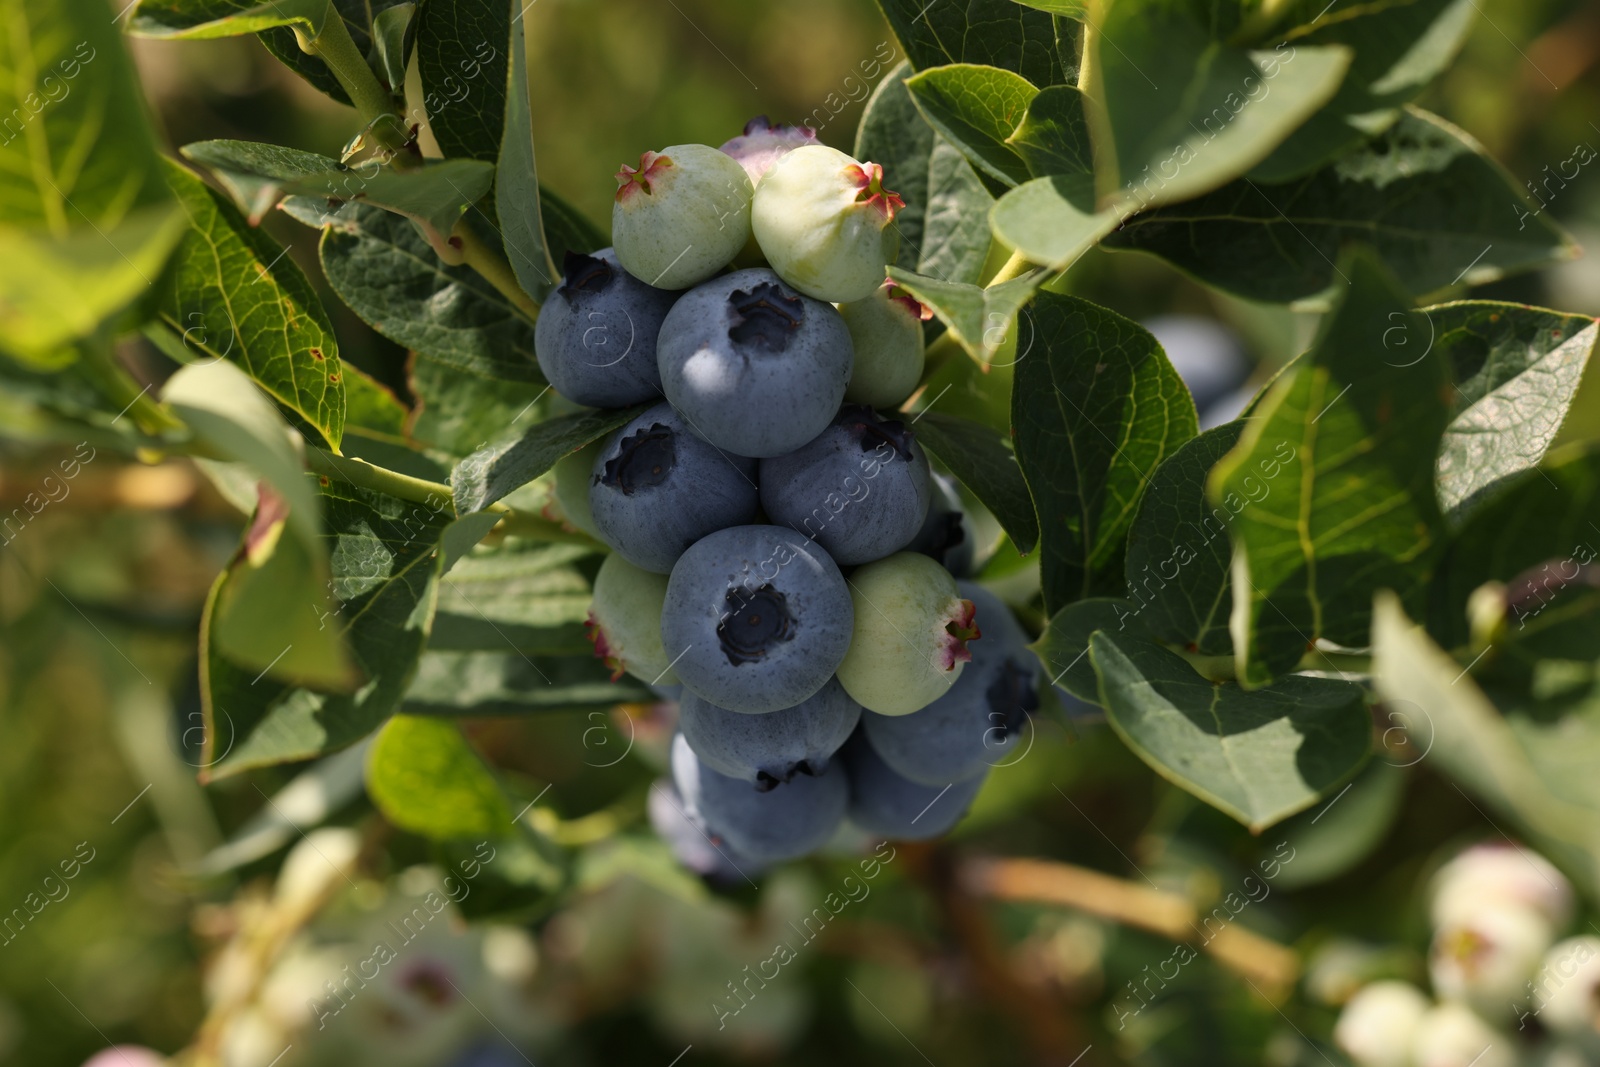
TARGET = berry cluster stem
x,y
1015,267
494,269
336,48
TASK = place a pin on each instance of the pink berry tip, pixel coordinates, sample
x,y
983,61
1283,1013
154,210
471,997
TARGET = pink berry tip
x,y
650,168
961,628
602,648
868,180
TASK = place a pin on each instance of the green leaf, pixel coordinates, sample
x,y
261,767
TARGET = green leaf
x,y
434,196
1179,113
202,19
983,460
1053,220
1397,46
520,597
236,295
266,613
1095,408
458,413
463,60
1535,537
1063,648
1077,10
476,684
392,43
386,560
996,33
979,318
977,109
371,408
425,778
1535,770
516,193
1423,195
1179,554
484,477
1355,432
387,273
1517,370
1053,137
1258,756
943,228
85,214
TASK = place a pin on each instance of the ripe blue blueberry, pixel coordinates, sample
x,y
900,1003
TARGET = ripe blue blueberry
x,y
909,642
947,536
656,489
886,330
761,144
753,366
625,621
860,488
596,334
687,837
756,617
884,803
681,215
822,221
780,824
771,748
980,719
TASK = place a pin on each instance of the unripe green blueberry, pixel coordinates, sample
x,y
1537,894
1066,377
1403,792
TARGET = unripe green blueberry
x,y
910,634
886,333
572,474
625,621
681,215
1485,960
1379,1024
822,221
1493,874
1566,991
1450,1035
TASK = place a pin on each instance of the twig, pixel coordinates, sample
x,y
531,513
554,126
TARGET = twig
x,y
1260,959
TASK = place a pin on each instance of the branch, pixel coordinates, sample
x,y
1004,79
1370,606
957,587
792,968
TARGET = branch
x,y
1256,958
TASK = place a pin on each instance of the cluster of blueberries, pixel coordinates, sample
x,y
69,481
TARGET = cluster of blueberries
x,y
785,559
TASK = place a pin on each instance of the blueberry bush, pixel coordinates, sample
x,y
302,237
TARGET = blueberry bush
x,y
821,496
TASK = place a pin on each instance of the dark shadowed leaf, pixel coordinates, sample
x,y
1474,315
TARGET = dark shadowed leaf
x,y
484,477
983,460
1178,549
997,33
1352,433
1063,648
1180,112
977,109
386,560
509,683
463,58
1422,195
1095,408
1397,48
387,273
1259,756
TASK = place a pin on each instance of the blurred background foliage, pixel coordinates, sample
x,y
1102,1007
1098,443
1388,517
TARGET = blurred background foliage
x,y
100,599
